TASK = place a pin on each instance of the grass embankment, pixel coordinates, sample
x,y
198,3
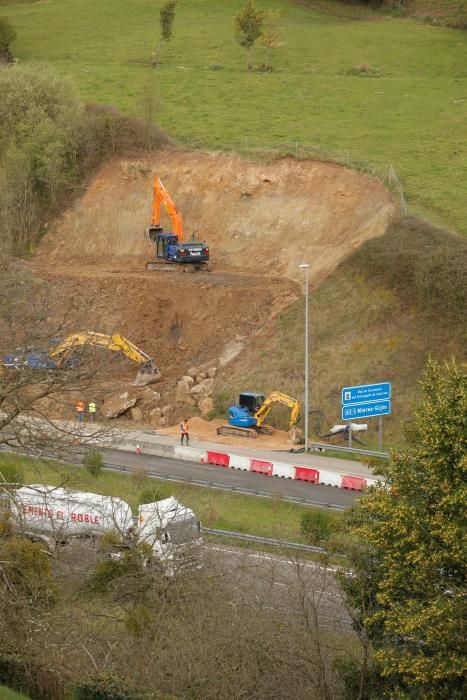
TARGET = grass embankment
x,y
386,91
216,509
396,300
8,694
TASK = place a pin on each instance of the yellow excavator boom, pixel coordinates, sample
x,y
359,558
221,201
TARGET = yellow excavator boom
x,y
278,397
148,372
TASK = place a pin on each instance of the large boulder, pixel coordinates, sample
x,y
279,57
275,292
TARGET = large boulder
x,y
212,371
188,379
206,386
182,391
115,404
137,414
192,372
150,396
200,376
205,405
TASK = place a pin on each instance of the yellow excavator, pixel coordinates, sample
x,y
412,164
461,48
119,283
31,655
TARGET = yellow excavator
x,y
247,417
63,352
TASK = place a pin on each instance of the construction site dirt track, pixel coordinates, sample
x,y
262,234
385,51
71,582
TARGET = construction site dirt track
x,y
260,220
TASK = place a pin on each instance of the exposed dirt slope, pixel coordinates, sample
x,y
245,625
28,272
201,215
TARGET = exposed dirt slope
x,y
257,218
260,220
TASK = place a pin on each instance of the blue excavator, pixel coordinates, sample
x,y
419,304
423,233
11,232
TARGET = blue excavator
x,y
247,417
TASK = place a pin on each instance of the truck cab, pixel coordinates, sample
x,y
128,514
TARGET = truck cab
x,y
168,247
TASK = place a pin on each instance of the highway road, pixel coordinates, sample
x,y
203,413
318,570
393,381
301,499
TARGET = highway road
x,y
324,496
293,586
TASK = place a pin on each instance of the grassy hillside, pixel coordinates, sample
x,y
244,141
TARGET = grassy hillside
x,y
397,300
407,106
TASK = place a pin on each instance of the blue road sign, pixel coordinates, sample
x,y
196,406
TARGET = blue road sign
x,y
366,393
366,410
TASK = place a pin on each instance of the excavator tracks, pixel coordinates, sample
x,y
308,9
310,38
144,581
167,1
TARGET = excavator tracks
x,y
243,432
156,266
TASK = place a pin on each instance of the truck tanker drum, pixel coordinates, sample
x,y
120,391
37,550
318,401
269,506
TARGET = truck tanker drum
x,y
63,513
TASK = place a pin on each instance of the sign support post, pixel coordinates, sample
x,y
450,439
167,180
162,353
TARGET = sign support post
x,y
366,401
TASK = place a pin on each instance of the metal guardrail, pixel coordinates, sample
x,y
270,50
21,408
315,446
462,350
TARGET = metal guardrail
x,y
228,487
266,540
323,447
196,482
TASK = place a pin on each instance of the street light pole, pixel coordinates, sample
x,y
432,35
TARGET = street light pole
x,y
306,267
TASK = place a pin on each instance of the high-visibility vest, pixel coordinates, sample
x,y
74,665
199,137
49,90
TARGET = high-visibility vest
x,y
92,407
79,406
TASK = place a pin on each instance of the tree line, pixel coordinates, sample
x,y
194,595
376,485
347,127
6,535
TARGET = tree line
x,y
49,144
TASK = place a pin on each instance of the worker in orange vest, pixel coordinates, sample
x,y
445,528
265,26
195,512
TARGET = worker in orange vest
x,y
184,431
80,410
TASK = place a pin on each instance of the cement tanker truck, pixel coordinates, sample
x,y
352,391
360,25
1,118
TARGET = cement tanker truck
x,y
56,515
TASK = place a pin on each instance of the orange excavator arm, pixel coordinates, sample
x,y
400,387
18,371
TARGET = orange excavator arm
x,y
161,196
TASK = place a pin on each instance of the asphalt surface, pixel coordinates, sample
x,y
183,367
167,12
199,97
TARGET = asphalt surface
x,y
323,495
293,586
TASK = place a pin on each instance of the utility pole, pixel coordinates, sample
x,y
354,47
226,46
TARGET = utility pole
x,y
306,267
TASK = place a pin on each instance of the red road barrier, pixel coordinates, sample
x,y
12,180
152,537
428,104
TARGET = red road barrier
x,y
257,465
307,474
218,458
356,483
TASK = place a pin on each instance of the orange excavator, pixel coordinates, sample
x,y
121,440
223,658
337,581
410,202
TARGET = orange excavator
x,y
172,252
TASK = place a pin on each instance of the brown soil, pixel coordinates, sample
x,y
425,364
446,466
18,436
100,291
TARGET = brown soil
x,y
205,431
260,220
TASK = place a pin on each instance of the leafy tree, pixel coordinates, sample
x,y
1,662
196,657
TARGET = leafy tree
x,y
167,16
409,561
270,38
7,36
248,25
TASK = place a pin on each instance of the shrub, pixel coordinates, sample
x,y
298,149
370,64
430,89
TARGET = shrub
x,y
27,571
153,494
93,462
110,570
108,686
423,264
316,526
7,35
26,676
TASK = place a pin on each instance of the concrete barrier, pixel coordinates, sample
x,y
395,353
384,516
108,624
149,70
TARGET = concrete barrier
x,y
283,470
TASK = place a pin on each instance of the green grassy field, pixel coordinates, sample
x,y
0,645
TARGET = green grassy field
x,y
216,509
8,694
413,116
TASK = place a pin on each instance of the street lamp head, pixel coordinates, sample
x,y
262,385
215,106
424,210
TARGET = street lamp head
x,y
304,266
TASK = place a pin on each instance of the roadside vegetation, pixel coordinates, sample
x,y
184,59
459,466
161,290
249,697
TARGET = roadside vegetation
x,y
217,509
368,118
408,555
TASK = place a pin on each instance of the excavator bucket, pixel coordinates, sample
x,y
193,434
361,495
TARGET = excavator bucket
x,y
148,374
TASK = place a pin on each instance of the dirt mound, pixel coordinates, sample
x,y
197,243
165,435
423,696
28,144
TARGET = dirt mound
x,y
265,218
205,431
